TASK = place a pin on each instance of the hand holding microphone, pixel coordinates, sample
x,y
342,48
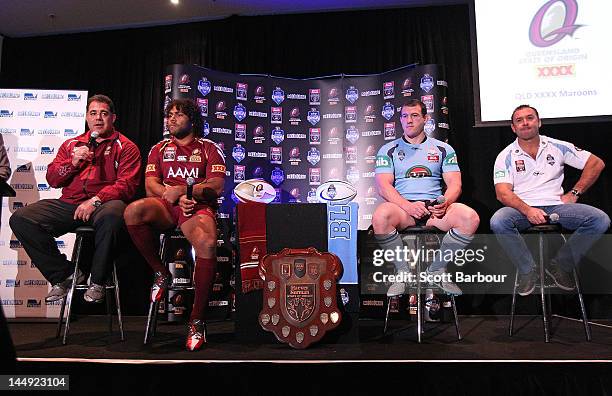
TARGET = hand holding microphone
x,y
83,154
186,202
437,207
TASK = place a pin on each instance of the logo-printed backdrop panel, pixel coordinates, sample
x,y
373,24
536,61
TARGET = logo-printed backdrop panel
x,y
33,123
297,134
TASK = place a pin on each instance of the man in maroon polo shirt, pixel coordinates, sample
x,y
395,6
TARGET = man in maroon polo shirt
x,y
171,163
98,172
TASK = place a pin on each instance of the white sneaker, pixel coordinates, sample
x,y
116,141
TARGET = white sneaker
x,y
448,286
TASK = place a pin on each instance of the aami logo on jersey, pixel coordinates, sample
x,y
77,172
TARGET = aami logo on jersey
x,y
70,132
47,150
12,283
33,303
24,168
15,244
6,113
50,114
30,96
183,172
43,187
74,98
26,132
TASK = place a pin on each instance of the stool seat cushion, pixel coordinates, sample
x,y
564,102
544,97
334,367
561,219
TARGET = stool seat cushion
x,y
544,228
421,230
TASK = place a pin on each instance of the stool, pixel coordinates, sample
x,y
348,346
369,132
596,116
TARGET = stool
x,y
420,232
541,230
154,306
81,234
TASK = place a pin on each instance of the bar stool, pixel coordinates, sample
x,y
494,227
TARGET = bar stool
x,y
82,233
154,306
421,233
543,285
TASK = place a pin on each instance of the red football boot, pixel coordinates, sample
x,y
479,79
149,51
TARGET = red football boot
x,y
196,335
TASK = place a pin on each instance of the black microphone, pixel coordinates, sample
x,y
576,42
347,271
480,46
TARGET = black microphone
x,y
438,201
190,183
92,139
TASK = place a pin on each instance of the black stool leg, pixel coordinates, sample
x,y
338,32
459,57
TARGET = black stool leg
x,y
543,287
61,318
118,301
456,317
585,322
151,322
387,315
70,295
513,306
109,314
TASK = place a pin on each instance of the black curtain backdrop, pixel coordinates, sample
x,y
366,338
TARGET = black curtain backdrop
x,y
128,66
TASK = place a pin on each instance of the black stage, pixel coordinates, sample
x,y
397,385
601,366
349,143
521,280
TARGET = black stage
x,y
486,361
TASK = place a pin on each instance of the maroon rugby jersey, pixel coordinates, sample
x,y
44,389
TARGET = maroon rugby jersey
x,y
201,159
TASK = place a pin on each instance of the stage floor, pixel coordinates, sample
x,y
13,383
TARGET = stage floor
x,y
485,338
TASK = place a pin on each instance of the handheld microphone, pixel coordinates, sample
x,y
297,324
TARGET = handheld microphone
x,y
438,201
553,218
92,139
190,183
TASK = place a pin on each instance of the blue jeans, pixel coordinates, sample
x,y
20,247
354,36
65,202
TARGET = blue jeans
x,y
587,222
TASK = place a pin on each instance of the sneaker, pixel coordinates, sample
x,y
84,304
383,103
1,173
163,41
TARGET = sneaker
x,y
527,283
396,289
444,282
196,335
95,293
60,290
562,278
160,284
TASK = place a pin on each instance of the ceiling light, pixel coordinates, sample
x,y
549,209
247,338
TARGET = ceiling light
x,y
175,2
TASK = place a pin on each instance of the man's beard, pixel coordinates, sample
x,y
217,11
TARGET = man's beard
x,y
183,133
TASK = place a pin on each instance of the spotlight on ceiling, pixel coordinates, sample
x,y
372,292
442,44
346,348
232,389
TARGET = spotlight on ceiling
x,y
175,2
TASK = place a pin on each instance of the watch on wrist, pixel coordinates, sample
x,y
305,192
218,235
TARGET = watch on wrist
x,y
97,203
575,192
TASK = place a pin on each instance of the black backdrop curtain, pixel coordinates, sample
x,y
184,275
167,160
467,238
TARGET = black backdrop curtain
x,y
128,66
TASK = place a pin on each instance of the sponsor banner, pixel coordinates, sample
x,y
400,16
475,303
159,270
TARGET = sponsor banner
x,y
33,124
297,134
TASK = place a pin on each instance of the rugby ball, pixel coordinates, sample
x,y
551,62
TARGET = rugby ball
x,y
255,190
336,192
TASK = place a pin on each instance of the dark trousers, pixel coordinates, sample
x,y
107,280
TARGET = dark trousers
x,y
37,224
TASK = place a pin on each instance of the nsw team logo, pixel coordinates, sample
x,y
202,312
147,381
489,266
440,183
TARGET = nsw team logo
x,y
314,116
277,176
388,111
278,135
204,86
427,83
352,94
352,134
240,112
238,153
430,126
314,156
278,95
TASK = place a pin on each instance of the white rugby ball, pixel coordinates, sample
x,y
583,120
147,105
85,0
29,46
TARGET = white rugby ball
x,y
336,192
255,190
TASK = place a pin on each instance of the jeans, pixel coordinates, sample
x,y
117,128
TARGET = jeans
x,y
587,222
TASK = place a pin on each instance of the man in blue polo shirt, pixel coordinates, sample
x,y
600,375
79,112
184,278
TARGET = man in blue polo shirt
x,y
409,175
528,177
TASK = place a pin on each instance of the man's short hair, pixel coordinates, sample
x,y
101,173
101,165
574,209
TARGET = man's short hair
x,y
102,99
521,107
190,109
414,103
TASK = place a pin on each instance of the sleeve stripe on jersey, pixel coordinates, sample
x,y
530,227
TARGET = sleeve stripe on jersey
x,y
508,160
563,148
443,150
